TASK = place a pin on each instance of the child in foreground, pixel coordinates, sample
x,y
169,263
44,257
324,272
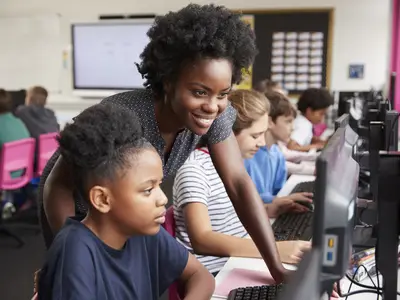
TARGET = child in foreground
x,y
119,250
268,168
206,221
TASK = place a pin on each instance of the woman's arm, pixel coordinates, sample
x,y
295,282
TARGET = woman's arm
x,y
198,282
58,196
229,164
205,241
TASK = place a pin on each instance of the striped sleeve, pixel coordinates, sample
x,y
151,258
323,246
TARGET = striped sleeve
x,y
191,185
221,128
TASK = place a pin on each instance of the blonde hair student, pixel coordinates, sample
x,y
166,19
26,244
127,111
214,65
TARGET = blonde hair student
x,y
206,221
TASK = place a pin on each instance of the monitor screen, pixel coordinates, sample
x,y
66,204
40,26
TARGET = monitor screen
x,y
105,53
339,195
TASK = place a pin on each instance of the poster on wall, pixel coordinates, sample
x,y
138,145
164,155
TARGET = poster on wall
x,y
247,75
297,59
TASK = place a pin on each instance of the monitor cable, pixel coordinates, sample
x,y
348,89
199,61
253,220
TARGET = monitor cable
x,y
375,288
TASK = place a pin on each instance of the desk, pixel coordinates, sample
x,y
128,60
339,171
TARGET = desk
x,y
259,265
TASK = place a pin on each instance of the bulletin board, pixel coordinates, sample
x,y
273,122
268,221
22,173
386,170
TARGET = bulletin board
x,y
294,48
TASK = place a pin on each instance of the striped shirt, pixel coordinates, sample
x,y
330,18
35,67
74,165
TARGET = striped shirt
x,y
197,181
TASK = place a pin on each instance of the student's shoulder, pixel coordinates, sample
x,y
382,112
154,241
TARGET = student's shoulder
x,y
133,100
302,122
198,161
74,239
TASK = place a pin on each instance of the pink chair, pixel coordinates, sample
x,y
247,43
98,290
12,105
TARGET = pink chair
x,y
15,156
169,226
47,146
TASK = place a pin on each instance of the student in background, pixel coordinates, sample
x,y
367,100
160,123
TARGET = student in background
x,y
267,168
11,128
312,104
267,85
206,221
119,250
37,118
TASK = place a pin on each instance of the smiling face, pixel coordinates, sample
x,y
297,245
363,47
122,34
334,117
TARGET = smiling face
x,y
200,94
251,139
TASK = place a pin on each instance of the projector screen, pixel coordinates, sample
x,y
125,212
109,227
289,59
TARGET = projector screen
x,y
104,54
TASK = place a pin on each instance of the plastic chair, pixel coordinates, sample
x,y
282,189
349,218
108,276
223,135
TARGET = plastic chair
x,y
47,146
169,226
16,156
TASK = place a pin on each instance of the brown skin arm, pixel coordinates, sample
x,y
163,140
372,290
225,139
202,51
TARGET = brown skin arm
x,y
198,283
58,199
249,207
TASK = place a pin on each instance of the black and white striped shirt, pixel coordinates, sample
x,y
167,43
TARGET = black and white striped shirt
x,y
197,181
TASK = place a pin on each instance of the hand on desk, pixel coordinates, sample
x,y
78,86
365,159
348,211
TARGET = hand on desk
x,y
291,252
292,203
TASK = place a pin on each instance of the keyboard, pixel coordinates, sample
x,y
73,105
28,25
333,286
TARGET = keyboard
x,y
304,187
289,227
263,292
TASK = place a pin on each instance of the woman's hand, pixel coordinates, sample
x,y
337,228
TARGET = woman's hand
x,y
291,252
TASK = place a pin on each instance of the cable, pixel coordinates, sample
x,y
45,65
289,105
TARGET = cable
x,y
370,289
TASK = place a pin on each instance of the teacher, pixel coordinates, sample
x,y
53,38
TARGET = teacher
x,y
193,58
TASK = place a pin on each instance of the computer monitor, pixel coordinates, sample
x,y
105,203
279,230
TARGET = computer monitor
x,y
339,194
342,121
304,285
387,229
334,201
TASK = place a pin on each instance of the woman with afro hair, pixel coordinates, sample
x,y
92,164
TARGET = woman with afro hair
x,y
193,59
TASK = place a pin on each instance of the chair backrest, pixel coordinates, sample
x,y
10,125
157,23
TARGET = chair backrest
x,y
169,226
16,156
47,146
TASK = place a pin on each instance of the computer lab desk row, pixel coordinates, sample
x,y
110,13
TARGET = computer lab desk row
x,y
257,264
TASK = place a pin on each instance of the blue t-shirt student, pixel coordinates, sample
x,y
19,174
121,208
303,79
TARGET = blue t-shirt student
x,y
267,169
83,267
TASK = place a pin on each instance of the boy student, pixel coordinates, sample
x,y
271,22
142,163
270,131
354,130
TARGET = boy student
x,y
312,104
37,118
267,168
206,221
119,250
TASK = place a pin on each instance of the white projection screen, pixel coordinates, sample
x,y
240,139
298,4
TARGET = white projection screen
x,y
104,54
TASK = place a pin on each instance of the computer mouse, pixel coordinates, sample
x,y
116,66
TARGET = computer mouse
x,y
309,205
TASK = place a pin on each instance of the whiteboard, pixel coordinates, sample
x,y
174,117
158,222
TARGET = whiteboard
x,y
30,52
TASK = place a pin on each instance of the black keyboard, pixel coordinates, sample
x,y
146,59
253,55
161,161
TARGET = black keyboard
x,y
304,187
263,292
289,227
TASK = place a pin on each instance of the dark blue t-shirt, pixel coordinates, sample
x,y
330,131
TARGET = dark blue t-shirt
x,y
80,266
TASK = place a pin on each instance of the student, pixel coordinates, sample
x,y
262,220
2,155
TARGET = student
x,y
119,250
267,168
37,118
267,85
312,104
11,128
206,221
193,58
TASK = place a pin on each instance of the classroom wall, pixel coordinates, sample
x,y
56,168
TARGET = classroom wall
x,y
361,33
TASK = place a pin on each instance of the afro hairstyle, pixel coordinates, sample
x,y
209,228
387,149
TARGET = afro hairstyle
x,y
315,99
195,32
100,142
